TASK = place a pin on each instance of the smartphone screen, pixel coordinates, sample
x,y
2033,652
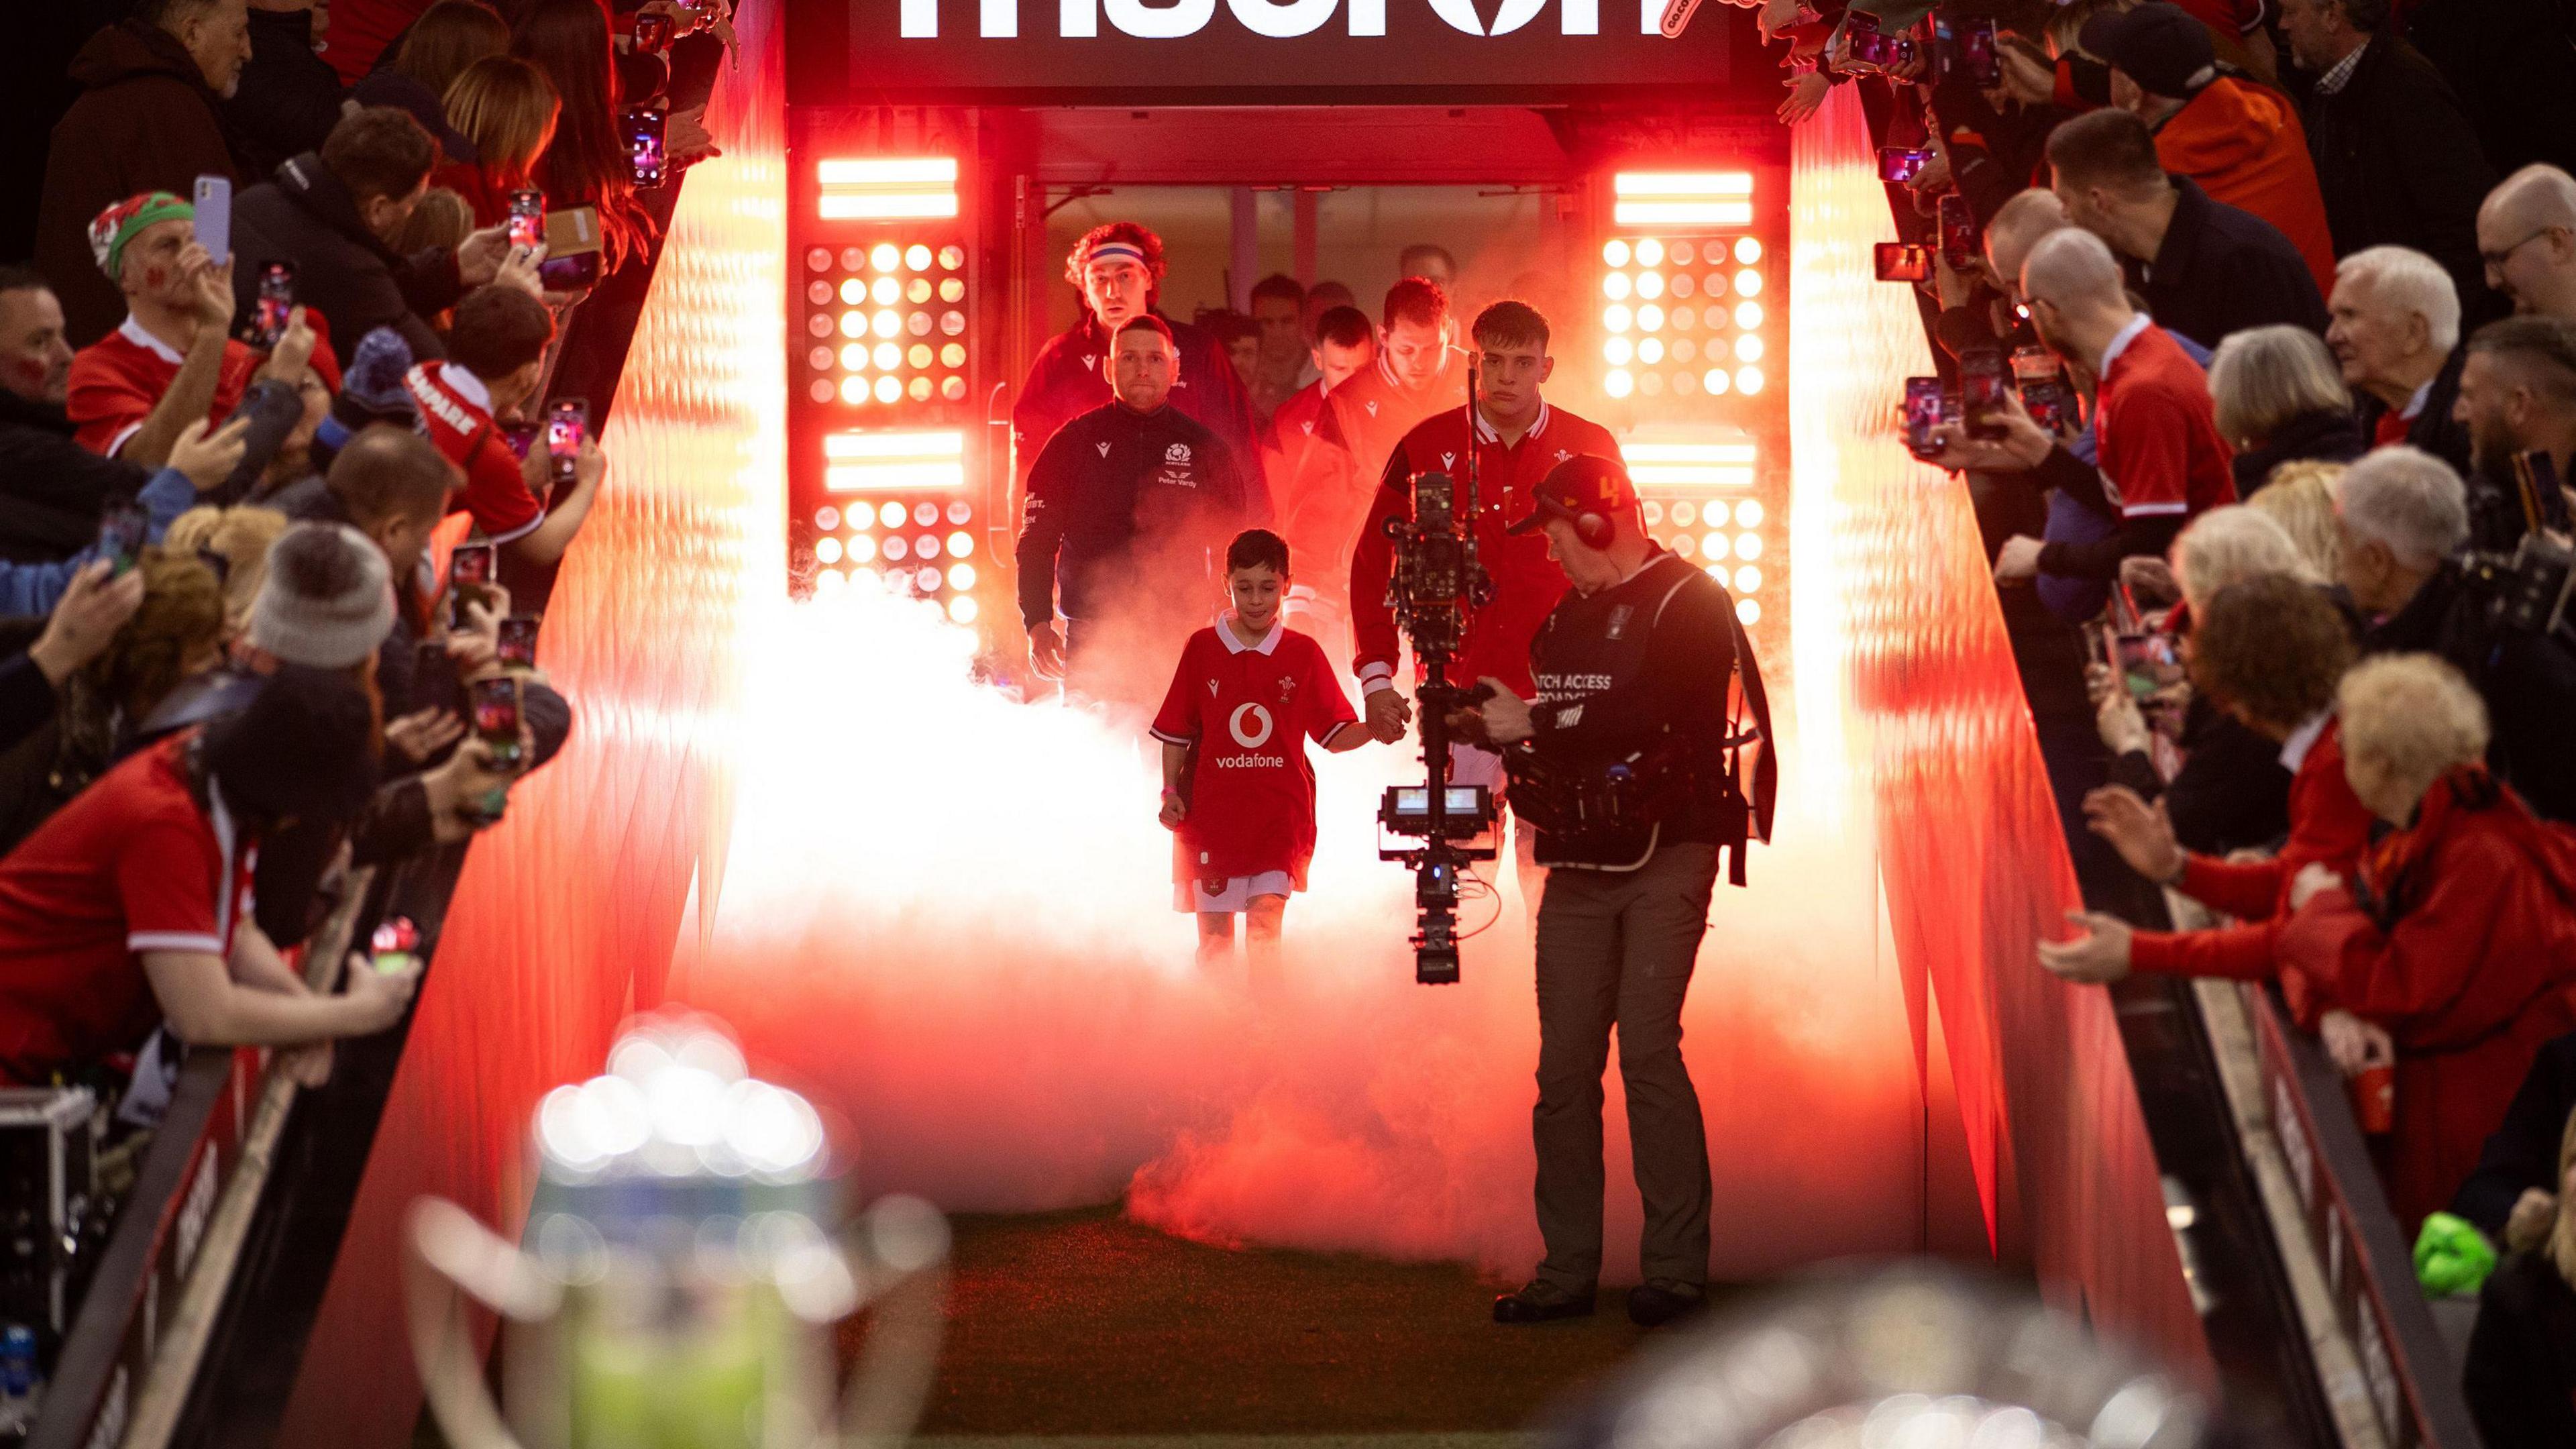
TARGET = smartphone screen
x,y
213,226
567,423
2050,403
469,573
1977,53
644,129
527,218
1901,261
1902,163
519,641
521,437
1958,232
1922,414
652,32
1981,391
496,717
122,528
568,274
276,302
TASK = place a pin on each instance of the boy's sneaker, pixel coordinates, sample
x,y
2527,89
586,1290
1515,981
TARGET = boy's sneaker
x,y
1654,1304
1541,1302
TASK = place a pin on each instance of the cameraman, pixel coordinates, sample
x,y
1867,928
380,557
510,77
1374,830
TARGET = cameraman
x,y
1633,669
2403,520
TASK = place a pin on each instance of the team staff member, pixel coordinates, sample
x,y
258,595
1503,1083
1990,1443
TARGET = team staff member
x,y
1518,438
1420,371
1119,270
1633,668
1125,504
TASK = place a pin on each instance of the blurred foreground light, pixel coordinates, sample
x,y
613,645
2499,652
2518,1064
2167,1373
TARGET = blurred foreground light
x,y
1748,611
1747,250
1650,253
1748,380
828,550
1615,252
1748,579
1748,514
1618,351
963,609
961,576
1748,315
1614,285
1619,382
1617,318
1911,1356
863,549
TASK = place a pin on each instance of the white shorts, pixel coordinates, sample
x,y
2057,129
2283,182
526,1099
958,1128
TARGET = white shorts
x,y
1236,895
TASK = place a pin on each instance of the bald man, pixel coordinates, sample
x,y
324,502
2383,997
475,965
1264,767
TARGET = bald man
x,y
2527,238
2162,461
2017,227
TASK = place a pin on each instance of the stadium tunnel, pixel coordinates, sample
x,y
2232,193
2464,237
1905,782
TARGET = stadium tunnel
x,y
848,295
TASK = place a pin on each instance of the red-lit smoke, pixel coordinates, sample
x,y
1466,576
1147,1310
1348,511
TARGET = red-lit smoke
x,y
948,915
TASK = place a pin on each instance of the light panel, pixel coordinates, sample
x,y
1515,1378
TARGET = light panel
x,y
885,188
894,461
1690,465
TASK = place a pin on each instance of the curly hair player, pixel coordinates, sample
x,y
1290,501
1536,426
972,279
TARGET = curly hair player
x,y
1238,790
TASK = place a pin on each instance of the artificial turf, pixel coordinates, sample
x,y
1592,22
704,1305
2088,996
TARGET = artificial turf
x,y
1084,1323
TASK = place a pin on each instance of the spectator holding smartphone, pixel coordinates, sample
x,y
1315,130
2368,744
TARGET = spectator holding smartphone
x,y
122,912
333,213
173,360
508,109
496,356
199,463
83,623
148,119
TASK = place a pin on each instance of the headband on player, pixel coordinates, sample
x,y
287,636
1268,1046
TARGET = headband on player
x,y
1106,250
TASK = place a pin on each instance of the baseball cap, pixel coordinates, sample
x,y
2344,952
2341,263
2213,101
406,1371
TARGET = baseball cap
x,y
1581,484
2162,47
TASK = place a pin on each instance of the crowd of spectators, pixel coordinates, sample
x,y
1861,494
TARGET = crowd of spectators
x,y
243,658
2288,586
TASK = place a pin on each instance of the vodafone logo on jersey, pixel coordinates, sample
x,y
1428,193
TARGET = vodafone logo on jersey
x,y
1250,725
1270,19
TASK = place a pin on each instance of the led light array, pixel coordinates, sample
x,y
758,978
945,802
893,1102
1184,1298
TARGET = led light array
x,y
886,323
1697,503
1683,317
922,548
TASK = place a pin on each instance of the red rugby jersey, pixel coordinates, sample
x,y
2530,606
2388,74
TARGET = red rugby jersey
x,y
1249,709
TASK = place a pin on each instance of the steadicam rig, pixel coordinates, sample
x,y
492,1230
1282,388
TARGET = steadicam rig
x,y
1436,586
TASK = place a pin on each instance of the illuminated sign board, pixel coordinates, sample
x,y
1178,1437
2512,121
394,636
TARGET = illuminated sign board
x,y
1411,49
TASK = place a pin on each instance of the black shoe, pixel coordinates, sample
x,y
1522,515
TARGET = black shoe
x,y
1652,1305
1541,1302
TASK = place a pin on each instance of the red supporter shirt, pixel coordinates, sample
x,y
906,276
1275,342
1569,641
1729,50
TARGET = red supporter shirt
x,y
2159,445
117,380
1527,583
1249,709
132,864
456,412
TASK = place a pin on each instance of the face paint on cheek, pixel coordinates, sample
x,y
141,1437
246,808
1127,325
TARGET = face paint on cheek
x,y
31,370
155,278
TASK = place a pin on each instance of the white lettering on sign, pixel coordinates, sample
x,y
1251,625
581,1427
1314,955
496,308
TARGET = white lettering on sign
x,y
1271,19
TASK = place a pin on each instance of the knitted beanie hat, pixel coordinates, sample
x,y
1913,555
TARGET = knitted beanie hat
x,y
327,599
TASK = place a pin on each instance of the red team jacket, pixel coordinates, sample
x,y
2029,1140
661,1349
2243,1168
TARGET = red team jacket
x,y
1527,583
1248,709
2461,944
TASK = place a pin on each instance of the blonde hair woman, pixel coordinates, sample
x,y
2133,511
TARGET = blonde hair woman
x,y
2300,498
509,110
240,538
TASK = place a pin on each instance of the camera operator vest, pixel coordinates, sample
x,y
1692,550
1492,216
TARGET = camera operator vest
x,y
1641,729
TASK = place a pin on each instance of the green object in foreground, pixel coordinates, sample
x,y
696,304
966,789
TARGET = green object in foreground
x,y
2451,1257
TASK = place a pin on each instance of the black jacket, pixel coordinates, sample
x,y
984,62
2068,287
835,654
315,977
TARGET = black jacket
x,y
1121,504
289,98
2319,437
2221,270
2433,430
1648,661
53,487
2519,1375
2232,792
2528,682
2522,1153
342,271
2400,165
